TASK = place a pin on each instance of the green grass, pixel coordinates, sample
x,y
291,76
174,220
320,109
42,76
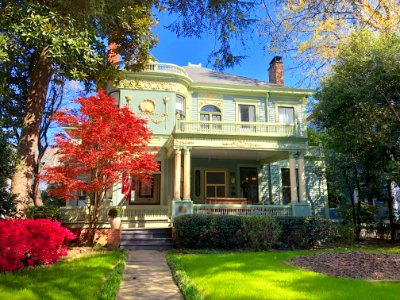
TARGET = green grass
x,y
89,277
264,275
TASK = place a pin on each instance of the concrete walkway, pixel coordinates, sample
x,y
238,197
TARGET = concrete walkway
x,y
147,276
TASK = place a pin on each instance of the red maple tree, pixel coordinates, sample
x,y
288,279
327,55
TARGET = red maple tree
x,y
104,141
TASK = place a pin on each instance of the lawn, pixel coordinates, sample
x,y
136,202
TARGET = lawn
x,y
92,276
264,275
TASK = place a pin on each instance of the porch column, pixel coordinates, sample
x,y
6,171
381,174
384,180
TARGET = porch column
x,y
293,183
302,178
186,174
177,175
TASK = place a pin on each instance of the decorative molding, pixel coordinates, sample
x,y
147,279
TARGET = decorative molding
x,y
210,95
153,85
217,103
241,144
147,106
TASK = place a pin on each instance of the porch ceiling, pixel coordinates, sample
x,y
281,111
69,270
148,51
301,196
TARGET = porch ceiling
x,y
257,155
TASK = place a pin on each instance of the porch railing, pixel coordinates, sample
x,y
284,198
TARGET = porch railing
x,y
78,214
243,210
237,128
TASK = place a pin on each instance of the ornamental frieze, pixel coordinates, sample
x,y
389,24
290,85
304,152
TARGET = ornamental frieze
x,y
153,85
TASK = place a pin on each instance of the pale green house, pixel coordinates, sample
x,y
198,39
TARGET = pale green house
x,y
226,144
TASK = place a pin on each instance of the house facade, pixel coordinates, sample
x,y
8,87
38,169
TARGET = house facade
x,y
223,142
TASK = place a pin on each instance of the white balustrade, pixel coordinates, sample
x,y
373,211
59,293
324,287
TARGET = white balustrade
x,y
243,210
235,128
163,67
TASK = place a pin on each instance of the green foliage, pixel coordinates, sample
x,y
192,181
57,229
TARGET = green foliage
x,y
266,275
304,232
110,287
114,212
7,159
256,233
188,289
43,212
80,278
344,232
207,231
259,233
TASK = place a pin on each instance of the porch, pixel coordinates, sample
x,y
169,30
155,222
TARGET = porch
x,y
162,216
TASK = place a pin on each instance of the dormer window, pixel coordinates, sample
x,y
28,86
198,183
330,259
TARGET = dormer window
x,y
180,106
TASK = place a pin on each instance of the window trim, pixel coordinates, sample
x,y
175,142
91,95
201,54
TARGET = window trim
x,y
250,102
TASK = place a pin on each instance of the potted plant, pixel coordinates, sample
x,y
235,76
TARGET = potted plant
x,y
115,217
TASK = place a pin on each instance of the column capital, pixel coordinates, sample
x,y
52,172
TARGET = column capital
x,y
177,150
293,154
187,149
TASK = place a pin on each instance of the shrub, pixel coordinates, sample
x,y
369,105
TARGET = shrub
x,y
25,242
114,212
43,212
304,232
219,231
344,232
259,233
207,231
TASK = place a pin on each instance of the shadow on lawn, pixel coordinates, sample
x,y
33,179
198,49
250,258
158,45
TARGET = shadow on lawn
x,y
264,275
77,279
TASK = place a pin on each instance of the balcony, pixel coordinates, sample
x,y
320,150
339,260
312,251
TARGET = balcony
x,y
239,128
165,68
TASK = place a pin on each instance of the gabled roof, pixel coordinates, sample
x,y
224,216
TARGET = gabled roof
x,y
199,74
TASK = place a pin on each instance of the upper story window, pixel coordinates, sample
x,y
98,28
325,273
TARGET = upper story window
x,y
286,114
115,95
180,106
247,113
210,113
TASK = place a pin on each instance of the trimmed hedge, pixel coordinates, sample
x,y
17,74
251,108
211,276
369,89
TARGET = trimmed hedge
x,y
255,233
44,212
304,232
225,232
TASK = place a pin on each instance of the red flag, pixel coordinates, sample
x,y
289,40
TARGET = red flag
x,y
126,186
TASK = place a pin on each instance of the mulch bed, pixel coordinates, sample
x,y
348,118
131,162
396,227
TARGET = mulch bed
x,y
357,265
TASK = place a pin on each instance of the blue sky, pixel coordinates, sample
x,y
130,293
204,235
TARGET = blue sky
x,y
180,51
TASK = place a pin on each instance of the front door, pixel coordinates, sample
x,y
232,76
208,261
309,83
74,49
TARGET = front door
x,y
249,184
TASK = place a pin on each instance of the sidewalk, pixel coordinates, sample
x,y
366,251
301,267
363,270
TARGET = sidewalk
x,y
147,276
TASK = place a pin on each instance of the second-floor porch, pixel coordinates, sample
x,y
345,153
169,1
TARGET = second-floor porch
x,y
240,128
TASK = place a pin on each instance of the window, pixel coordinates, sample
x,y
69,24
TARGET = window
x,y
180,106
115,95
210,113
286,191
197,179
215,184
286,115
247,113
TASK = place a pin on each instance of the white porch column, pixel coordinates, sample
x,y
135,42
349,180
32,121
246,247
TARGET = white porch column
x,y
293,183
177,175
302,178
186,174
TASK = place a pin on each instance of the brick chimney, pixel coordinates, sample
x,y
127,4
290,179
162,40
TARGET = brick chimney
x,y
276,70
113,57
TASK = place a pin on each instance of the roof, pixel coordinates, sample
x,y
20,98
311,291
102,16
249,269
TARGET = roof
x,y
199,74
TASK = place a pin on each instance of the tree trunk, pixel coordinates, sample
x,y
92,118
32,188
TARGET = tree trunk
x,y
391,215
23,177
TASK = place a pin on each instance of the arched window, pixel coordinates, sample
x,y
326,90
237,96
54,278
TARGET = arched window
x,y
210,113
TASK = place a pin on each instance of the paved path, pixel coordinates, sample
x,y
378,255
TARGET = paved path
x,y
147,276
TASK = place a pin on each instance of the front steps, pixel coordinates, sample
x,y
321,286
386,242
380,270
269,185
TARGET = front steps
x,y
146,239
